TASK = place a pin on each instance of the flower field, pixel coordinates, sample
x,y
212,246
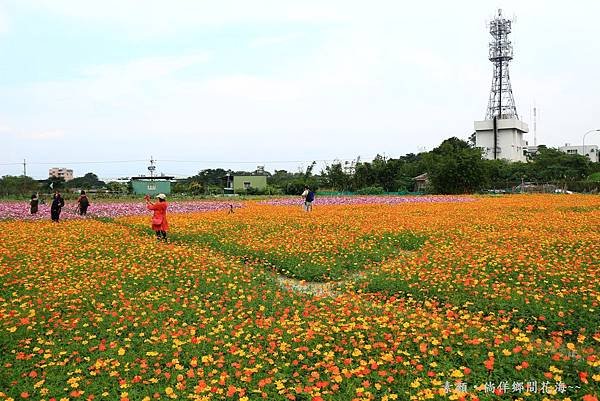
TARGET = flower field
x,y
491,298
20,210
362,200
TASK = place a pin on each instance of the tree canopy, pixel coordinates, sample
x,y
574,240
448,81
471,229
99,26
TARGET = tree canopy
x,y
455,166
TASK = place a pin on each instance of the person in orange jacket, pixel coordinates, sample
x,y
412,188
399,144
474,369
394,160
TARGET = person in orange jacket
x,y
159,219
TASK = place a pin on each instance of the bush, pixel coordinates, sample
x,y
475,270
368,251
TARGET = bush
x,y
595,177
584,186
296,187
253,191
271,190
370,191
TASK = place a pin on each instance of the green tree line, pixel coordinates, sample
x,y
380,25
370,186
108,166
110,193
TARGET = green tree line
x,y
454,167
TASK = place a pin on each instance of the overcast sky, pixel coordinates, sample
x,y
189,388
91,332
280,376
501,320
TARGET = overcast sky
x,y
276,82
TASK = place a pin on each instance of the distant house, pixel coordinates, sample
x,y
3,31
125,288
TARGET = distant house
x,y
531,150
421,182
590,151
61,172
151,185
242,183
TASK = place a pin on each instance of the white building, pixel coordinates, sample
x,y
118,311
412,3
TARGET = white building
x,y
510,144
532,149
591,151
61,172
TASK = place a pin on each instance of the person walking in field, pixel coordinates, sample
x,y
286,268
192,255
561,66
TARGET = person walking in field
x,y
309,197
83,203
159,219
57,204
304,195
34,203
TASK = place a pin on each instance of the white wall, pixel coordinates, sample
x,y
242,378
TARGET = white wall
x,y
591,151
510,139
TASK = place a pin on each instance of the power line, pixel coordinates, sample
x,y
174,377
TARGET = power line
x,y
75,162
254,161
178,161
90,162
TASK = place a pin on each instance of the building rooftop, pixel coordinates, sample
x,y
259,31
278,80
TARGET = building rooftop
x,y
157,177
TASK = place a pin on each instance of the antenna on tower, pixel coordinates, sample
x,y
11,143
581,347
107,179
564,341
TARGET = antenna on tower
x,y
534,125
151,167
501,133
501,102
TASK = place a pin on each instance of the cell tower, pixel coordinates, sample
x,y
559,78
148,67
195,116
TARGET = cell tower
x,y
534,125
500,135
502,103
151,167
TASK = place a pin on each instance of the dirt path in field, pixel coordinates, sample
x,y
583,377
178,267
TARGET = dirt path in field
x,y
329,289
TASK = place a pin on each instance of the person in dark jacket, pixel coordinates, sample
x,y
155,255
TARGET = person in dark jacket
x,y
57,204
309,197
83,203
34,203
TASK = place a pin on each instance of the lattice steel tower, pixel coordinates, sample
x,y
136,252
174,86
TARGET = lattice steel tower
x,y
501,103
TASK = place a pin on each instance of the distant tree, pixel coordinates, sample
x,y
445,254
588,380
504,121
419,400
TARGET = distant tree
x,y
554,165
214,177
364,176
498,173
196,188
385,173
21,185
179,187
335,177
88,181
280,178
53,183
472,141
117,187
309,170
455,167
390,174
594,177
295,187
282,181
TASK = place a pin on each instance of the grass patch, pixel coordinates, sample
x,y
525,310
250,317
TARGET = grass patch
x,y
335,265
571,312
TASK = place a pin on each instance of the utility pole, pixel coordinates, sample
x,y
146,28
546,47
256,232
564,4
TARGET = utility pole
x,y
534,125
24,168
151,167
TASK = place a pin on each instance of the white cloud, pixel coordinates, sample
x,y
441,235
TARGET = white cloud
x,y
143,18
347,86
370,78
3,20
146,68
45,135
42,135
265,41
101,88
253,88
